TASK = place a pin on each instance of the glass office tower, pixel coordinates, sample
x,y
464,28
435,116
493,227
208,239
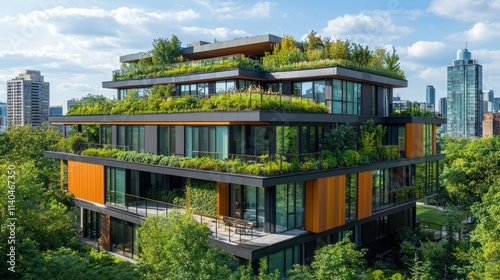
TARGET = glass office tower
x,y
465,97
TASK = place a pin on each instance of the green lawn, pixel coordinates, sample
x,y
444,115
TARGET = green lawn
x,y
435,216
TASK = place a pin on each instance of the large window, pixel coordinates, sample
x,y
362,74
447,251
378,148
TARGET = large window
x,y
194,89
351,196
290,204
140,92
284,260
91,224
311,89
380,189
224,86
346,97
427,177
212,141
131,136
248,204
298,139
106,134
166,140
115,186
124,238
250,140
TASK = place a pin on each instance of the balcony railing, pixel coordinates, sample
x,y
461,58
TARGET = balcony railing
x,y
397,197
221,227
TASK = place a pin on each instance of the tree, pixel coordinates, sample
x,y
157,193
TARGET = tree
x,y
166,51
176,247
361,54
341,260
340,49
391,62
471,167
487,234
313,41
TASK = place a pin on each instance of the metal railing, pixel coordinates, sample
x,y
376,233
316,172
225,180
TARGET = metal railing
x,y
145,207
396,197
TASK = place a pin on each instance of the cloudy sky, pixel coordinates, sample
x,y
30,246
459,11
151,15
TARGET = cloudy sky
x,y
77,44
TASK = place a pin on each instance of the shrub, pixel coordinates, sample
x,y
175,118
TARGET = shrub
x,y
350,158
73,144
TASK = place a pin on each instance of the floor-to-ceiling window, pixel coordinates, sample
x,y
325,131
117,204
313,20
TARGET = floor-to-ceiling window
x,y
166,140
124,238
131,136
380,189
91,224
290,203
250,140
115,186
248,204
212,141
106,136
346,97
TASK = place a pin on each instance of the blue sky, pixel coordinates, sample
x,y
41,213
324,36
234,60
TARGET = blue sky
x,y
76,44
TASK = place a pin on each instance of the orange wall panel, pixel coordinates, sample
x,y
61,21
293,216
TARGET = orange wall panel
x,y
414,140
364,194
223,199
86,181
325,203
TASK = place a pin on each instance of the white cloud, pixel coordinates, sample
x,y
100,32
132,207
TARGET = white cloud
x,y
425,49
219,32
75,87
364,28
479,32
466,10
235,10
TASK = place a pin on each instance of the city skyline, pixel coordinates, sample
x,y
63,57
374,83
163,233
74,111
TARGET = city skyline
x,y
75,43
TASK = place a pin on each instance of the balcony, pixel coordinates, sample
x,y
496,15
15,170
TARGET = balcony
x,y
223,229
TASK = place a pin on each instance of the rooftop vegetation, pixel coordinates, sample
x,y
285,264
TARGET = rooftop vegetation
x,y
252,98
341,147
316,52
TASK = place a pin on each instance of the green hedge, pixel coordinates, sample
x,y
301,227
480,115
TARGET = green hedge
x,y
202,197
252,99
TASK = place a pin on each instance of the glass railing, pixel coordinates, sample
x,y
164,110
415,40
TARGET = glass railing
x,y
397,197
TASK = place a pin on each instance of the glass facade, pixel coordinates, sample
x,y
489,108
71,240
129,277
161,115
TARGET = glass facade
x,y
131,136
106,135
284,260
141,92
166,140
249,204
250,140
311,89
224,86
212,141
115,186
428,139
465,97
194,89
298,139
91,224
124,238
290,205
346,97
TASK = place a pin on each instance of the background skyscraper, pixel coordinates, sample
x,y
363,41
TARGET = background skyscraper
x,y
27,99
465,97
430,95
443,110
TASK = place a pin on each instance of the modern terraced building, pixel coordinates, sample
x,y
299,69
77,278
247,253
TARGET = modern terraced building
x,y
270,190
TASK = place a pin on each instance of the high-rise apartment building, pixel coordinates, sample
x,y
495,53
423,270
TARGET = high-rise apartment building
x,y
3,116
430,95
465,97
27,99
281,216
